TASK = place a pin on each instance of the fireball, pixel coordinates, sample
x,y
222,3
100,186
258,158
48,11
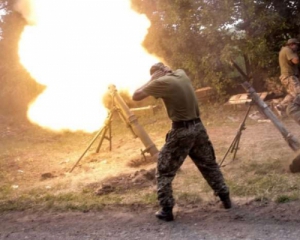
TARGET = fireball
x,y
77,49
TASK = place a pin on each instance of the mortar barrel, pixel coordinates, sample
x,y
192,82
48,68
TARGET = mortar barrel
x,y
133,121
291,140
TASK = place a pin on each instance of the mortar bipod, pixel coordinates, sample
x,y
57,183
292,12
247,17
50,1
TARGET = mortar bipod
x,y
234,146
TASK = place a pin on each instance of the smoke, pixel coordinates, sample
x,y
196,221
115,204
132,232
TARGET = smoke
x,y
26,9
107,99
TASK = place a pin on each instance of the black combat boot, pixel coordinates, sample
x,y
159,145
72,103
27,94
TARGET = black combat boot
x,y
165,214
225,200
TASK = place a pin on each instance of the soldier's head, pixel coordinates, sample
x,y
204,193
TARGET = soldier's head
x,y
159,69
293,43
156,67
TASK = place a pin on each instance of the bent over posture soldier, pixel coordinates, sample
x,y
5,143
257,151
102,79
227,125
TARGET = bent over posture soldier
x,y
187,136
289,73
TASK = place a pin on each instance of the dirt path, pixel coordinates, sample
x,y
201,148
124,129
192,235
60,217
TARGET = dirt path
x,y
245,221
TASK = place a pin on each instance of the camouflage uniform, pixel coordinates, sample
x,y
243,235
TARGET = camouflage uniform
x,y
293,109
289,73
181,142
187,136
292,100
292,85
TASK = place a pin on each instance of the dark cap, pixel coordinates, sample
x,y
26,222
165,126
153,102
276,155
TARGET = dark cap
x,y
156,66
292,41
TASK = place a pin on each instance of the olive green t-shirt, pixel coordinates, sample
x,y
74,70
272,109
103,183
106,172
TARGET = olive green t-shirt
x,y
287,68
178,95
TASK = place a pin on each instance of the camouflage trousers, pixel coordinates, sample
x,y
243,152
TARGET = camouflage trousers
x,y
293,109
292,86
181,142
292,100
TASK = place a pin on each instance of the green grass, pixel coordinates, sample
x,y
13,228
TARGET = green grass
x,y
268,186
149,198
188,197
5,190
286,198
76,201
264,167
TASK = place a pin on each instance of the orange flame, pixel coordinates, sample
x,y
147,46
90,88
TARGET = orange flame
x,y
77,48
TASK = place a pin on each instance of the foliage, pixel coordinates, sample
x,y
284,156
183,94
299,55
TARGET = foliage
x,y
203,36
17,86
200,36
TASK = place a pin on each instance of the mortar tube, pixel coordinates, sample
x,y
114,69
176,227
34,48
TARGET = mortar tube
x,y
291,140
133,121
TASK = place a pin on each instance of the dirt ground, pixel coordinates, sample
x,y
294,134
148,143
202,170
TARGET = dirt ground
x,y
244,221
248,219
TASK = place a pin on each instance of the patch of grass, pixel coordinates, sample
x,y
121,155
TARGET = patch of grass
x,y
149,198
266,186
262,199
285,199
5,190
11,205
263,168
85,200
62,202
188,197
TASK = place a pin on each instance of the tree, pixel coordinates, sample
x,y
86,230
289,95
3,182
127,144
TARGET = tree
x,y
17,86
202,36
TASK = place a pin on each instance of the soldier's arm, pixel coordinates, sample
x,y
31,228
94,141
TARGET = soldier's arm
x,y
140,94
295,60
292,56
